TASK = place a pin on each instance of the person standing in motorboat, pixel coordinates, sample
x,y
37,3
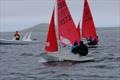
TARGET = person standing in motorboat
x,y
17,35
80,49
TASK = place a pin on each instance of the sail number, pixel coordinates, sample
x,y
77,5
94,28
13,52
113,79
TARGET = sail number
x,y
65,19
61,4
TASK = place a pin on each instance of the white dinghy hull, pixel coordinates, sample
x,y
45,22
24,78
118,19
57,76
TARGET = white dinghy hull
x,y
17,42
65,56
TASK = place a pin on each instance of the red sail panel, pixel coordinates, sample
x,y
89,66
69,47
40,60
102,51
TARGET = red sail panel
x,y
51,43
88,27
66,26
78,29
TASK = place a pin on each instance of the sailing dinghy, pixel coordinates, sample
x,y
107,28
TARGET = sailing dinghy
x,y
88,26
67,29
26,40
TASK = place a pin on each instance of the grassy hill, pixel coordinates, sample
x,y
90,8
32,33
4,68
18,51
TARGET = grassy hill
x,y
42,27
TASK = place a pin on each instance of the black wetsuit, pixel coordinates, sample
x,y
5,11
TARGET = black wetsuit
x,y
82,49
74,48
17,38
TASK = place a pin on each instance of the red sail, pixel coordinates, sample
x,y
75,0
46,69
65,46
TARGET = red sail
x,y
66,26
88,27
51,43
78,29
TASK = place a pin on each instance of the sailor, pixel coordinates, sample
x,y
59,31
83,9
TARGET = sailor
x,y
82,49
17,35
93,41
96,40
74,48
90,41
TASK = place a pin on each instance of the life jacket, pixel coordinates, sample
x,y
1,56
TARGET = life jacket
x,y
17,34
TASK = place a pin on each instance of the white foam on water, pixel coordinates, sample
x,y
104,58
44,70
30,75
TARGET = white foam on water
x,y
41,60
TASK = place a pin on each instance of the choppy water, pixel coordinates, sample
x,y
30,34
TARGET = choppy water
x,y
21,62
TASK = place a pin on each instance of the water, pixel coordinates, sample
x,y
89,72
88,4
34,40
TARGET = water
x,y
22,62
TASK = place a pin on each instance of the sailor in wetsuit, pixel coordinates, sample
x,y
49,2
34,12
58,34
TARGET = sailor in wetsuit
x,y
93,41
74,48
80,49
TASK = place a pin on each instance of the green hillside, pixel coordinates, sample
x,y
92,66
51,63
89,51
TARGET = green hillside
x,y
42,27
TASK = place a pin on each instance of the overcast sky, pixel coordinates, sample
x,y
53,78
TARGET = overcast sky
x,y
20,14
